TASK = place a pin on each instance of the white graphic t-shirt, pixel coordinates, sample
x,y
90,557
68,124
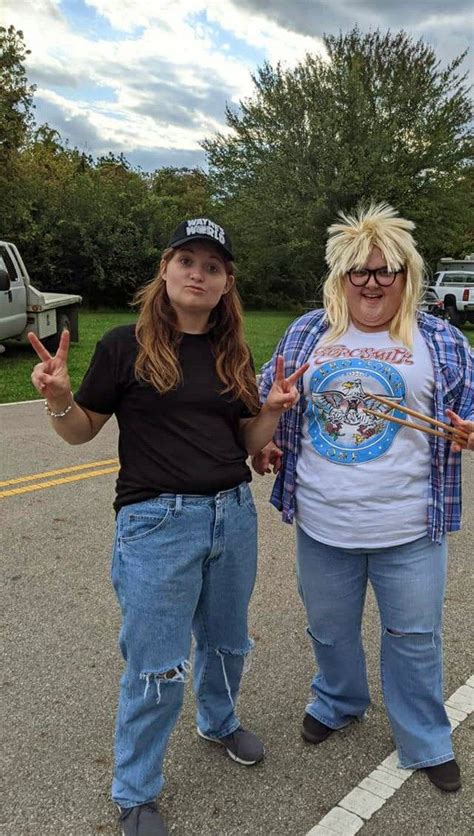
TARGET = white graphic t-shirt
x,y
362,481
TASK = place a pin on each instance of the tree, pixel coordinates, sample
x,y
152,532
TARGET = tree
x,y
16,95
178,193
377,119
96,227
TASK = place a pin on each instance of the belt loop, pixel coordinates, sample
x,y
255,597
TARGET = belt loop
x,y
179,503
241,492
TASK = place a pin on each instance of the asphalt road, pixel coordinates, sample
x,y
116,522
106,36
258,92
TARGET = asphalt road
x,y
62,666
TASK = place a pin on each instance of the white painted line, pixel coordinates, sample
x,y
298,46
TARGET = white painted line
x,y
18,403
369,796
342,822
377,788
463,698
388,778
362,802
455,713
391,764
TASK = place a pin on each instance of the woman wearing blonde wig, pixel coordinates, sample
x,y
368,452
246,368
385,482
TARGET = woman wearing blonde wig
x,y
373,499
182,386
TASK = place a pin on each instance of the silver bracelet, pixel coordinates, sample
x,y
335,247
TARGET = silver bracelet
x,y
58,414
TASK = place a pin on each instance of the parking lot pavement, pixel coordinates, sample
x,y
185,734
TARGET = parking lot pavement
x,y
62,667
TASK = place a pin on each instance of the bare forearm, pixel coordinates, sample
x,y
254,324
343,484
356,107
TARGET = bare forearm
x,y
258,431
76,426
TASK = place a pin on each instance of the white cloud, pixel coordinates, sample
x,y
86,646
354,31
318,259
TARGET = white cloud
x,y
156,75
171,57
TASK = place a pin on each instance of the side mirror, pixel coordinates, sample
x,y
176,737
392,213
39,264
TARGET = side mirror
x,y
4,280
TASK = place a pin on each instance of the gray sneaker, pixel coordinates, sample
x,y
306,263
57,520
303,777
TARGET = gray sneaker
x,y
143,820
242,746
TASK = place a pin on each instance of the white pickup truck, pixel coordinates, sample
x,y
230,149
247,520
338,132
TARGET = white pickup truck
x,y
456,289
23,308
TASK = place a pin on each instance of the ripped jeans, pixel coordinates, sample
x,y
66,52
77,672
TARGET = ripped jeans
x,y
408,582
182,565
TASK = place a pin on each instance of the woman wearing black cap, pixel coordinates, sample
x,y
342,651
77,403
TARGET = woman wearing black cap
x,y
182,386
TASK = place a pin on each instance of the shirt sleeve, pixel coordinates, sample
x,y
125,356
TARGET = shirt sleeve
x,y
99,390
466,407
267,373
458,374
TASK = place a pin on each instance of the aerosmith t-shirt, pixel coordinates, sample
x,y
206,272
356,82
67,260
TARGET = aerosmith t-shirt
x,y
363,481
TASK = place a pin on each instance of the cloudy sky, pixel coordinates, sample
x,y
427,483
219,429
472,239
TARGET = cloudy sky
x,y
151,78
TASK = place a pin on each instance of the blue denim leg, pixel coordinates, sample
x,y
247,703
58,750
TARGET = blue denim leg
x,y
220,623
332,584
162,549
409,583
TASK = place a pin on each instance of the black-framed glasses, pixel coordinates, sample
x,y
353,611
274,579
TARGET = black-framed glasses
x,y
382,276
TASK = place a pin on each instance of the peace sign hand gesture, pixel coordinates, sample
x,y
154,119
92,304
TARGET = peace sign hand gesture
x,y
284,395
51,377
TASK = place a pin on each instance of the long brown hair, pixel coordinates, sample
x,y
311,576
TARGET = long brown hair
x,y
158,340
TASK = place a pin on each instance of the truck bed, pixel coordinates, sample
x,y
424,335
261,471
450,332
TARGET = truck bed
x,y
39,301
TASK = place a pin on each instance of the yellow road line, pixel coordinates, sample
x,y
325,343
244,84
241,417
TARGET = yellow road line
x,y
42,485
20,479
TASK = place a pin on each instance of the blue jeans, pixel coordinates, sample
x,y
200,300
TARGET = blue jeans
x,y
409,582
182,564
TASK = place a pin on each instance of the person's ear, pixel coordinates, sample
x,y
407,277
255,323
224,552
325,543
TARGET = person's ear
x,y
229,283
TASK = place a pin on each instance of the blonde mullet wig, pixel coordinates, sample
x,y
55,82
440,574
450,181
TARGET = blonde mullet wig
x,y
349,245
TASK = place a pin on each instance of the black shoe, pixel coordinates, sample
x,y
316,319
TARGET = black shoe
x,y
446,776
313,731
242,746
143,820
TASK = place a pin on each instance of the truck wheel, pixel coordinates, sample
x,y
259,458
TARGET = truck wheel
x,y
73,316
63,321
453,316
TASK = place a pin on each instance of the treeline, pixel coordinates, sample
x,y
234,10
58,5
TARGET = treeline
x,y
379,119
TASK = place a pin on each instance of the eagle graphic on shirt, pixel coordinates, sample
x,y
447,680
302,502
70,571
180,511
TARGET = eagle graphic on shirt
x,y
340,392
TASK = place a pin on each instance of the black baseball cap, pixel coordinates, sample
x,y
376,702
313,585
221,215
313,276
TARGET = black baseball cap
x,y
202,229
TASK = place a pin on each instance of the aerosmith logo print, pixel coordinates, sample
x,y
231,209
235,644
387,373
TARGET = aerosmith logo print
x,y
341,387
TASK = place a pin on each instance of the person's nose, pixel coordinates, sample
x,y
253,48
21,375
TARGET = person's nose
x,y
372,282
197,273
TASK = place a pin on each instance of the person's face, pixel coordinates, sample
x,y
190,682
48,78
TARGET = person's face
x,y
372,307
196,278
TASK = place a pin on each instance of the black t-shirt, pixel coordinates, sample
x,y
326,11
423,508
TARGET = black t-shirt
x,y
185,441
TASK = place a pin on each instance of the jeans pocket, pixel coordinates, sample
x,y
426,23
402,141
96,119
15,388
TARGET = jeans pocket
x,y
140,526
247,502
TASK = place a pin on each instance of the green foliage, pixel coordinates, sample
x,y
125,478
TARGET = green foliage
x,y
96,227
178,193
377,119
16,95
263,329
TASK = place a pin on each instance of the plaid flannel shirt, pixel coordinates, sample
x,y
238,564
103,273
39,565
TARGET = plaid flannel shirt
x,y
453,368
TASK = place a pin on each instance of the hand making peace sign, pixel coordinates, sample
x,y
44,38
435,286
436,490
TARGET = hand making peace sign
x,y
51,377
284,395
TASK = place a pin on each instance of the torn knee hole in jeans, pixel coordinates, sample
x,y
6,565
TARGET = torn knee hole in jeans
x,y
427,635
179,673
319,639
245,653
